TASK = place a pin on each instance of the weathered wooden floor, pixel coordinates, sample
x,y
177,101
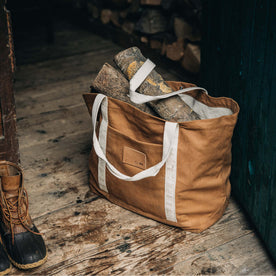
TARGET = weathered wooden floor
x,y
86,234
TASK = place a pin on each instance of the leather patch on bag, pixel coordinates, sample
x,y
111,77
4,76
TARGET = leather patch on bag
x,y
134,158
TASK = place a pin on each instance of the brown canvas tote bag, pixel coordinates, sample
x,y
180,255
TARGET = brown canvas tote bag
x,y
175,173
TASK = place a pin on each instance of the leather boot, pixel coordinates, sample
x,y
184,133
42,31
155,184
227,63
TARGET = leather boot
x,y
5,265
24,244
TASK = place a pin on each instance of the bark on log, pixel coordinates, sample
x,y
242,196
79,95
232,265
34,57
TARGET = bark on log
x,y
172,109
92,10
115,18
112,83
155,44
106,16
184,30
175,51
151,2
191,59
128,27
152,21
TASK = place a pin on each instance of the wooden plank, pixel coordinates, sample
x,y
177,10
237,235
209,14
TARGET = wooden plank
x,y
60,95
68,40
8,142
64,68
111,239
52,124
58,88
1,124
56,172
248,76
54,153
242,256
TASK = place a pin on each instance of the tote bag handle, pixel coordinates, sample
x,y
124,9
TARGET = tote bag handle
x,y
138,79
170,131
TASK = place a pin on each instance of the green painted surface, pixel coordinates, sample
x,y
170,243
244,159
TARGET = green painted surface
x,y
239,61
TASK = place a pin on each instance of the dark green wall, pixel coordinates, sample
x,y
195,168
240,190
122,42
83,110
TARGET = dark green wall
x,y
239,61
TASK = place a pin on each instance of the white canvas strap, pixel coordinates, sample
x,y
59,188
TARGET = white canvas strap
x,y
171,164
170,131
138,79
170,181
102,142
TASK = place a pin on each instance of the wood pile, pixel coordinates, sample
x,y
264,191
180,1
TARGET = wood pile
x,y
170,27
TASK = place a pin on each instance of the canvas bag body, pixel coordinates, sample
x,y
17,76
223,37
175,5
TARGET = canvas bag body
x,y
201,162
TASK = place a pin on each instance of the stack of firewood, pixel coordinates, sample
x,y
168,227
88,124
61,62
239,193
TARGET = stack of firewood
x,y
171,27
114,82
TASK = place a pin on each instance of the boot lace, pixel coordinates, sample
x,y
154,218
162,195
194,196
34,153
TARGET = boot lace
x,y
13,212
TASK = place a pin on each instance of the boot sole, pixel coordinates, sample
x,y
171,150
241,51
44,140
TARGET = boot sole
x,y
4,272
28,266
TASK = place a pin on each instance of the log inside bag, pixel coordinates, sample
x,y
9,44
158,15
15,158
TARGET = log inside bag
x,y
112,83
171,109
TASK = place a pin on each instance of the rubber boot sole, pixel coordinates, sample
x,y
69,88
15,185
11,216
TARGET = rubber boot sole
x,y
28,266
4,272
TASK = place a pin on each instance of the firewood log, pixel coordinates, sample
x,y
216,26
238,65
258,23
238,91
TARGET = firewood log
x,y
128,26
191,59
184,30
173,109
106,16
175,51
151,2
144,39
152,21
92,10
112,83
155,44
115,18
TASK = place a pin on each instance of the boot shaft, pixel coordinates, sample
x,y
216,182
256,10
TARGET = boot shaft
x,y
15,217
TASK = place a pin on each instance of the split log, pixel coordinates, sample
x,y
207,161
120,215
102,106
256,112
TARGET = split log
x,y
106,16
133,11
115,18
123,14
155,44
152,21
112,83
175,51
191,59
164,48
120,4
184,30
144,39
172,109
93,10
151,2
128,26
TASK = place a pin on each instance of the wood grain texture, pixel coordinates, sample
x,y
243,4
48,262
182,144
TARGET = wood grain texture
x,y
61,69
230,256
8,142
129,244
86,234
1,124
68,40
112,83
238,49
172,109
